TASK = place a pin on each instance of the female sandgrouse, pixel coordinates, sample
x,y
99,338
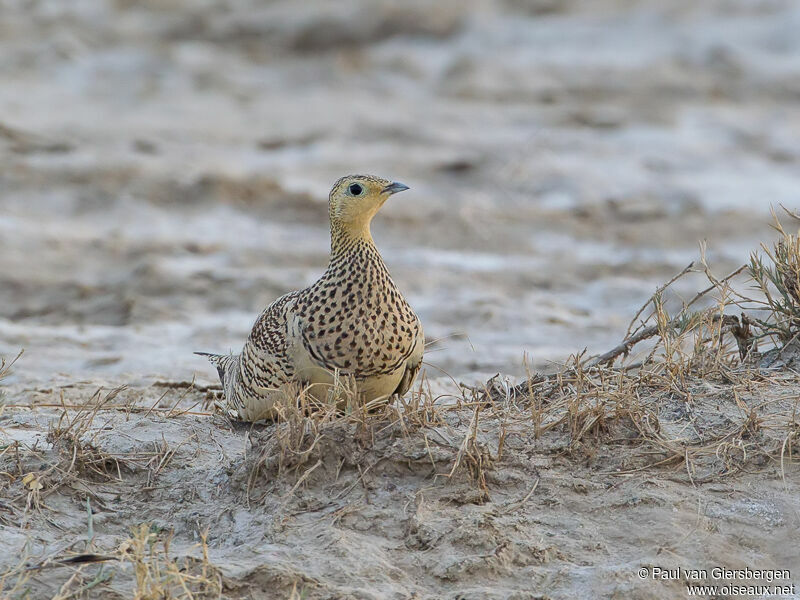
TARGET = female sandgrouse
x,y
353,322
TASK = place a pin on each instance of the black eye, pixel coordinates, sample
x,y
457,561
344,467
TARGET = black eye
x,y
355,189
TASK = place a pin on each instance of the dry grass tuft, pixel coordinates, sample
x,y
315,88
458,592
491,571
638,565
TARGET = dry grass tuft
x,y
73,461
673,391
5,370
308,438
474,456
159,576
142,562
776,276
302,423
73,437
5,366
14,581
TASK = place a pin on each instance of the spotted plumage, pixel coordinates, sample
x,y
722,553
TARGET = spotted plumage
x,y
352,322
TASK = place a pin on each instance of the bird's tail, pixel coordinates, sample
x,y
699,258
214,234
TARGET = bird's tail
x,y
223,362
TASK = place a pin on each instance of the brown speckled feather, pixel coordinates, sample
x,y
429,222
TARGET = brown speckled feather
x,y
353,321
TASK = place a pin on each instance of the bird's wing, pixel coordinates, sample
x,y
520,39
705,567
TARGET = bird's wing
x,y
264,362
414,361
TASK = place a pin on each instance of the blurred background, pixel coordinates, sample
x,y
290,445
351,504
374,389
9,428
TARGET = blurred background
x,y
164,167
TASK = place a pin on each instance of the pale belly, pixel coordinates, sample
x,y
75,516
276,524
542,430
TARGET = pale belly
x,y
326,387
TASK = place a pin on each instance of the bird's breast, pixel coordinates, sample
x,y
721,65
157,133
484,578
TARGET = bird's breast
x,y
359,328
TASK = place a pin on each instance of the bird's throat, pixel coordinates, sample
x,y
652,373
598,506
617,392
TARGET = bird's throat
x,y
347,236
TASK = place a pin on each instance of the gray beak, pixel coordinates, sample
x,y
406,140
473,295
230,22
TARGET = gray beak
x,y
395,187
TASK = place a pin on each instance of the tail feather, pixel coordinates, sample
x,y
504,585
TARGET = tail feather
x,y
222,362
228,369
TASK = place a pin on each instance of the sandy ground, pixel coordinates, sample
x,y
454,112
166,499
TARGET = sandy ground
x,y
164,175
381,512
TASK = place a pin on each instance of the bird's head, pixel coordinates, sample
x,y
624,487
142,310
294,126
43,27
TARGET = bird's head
x,y
355,199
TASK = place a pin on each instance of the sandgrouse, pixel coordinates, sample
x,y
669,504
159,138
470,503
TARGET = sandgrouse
x,y
352,323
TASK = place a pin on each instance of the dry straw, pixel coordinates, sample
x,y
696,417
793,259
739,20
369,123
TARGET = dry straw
x,y
699,389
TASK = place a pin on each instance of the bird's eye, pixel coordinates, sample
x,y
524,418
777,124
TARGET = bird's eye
x,y
356,189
